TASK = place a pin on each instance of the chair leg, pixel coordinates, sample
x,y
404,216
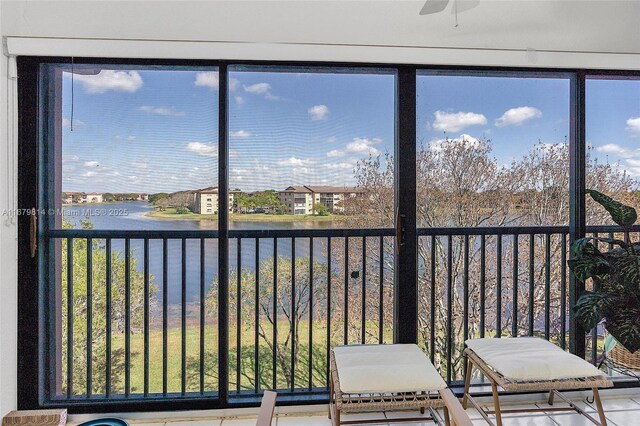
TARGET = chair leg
x,y
447,418
496,403
552,395
330,393
596,398
467,383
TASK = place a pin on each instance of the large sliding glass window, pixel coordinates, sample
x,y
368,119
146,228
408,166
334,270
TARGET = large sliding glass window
x,y
310,157
613,160
130,165
492,155
207,232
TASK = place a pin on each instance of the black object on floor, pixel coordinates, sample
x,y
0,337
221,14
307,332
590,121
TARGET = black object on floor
x,y
105,422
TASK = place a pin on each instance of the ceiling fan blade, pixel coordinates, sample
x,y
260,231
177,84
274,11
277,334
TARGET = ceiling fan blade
x,y
433,6
464,5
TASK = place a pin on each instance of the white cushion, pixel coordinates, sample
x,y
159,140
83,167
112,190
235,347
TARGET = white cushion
x,y
385,369
530,359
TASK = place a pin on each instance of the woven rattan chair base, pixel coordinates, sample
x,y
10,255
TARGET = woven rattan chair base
x,y
343,403
552,386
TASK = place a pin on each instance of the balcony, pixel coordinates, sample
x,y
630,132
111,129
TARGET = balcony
x,y
314,289
446,243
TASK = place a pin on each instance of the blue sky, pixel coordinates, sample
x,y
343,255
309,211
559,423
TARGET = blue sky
x,y
613,122
514,113
156,130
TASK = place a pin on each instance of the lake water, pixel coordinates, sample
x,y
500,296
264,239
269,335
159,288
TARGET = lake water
x,y
133,216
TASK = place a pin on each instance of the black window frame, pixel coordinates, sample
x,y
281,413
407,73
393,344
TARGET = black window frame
x,y
32,341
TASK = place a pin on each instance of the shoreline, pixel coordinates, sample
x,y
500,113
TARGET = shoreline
x,y
250,217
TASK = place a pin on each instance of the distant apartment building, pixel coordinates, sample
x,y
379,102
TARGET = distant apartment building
x,y
205,201
301,199
81,197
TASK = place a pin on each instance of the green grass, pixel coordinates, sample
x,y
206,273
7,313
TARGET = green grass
x,y
174,358
170,213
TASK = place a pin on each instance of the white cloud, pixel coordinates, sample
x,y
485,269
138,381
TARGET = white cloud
x,y
207,150
106,80
302,171
550,147
612,148
630,156
363,146
66,123
468,140
208,79
91,164
161,110
211,79
140,165
293,161
633,126
239,100
517,116
89,174
454,122
240,134
340,166
70,158
131,138
261,89
358,146
258,88
319,112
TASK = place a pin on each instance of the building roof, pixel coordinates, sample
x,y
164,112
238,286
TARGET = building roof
x,y
334,189
212,190
300,189
323,189
208,190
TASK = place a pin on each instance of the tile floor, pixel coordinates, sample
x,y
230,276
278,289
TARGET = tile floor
x,y
620,411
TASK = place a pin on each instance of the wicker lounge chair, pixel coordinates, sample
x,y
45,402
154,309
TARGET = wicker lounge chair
x,y
529,364
377,378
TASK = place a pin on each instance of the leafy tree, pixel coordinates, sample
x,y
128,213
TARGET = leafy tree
x,y
260,199
108,197
321,209
182,210
290,307
461,184
155,198
98,301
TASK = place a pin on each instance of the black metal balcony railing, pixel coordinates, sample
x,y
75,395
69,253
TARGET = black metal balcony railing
x,y
122,330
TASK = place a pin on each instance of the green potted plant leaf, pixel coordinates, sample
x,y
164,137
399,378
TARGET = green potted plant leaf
x,y
616,277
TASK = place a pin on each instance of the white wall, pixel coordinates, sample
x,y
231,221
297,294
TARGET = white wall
x,y
563,33
8,287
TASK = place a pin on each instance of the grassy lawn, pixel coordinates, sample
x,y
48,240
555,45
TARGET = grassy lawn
x,y
170,213
247,336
